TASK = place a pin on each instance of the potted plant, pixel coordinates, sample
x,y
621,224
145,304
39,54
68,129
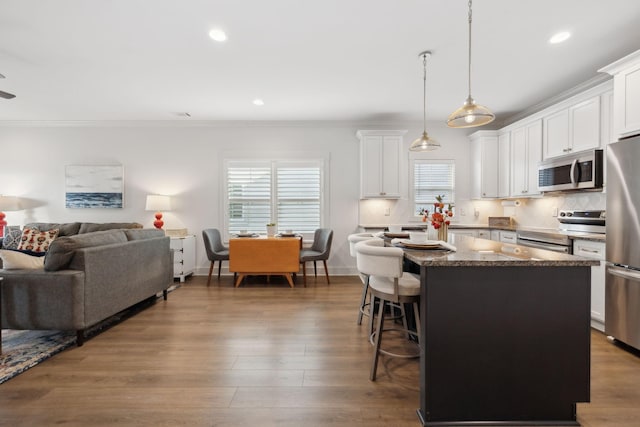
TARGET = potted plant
x,y
271,229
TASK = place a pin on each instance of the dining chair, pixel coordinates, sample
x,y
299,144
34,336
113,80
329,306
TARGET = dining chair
x,y
216,251
319,251
383,268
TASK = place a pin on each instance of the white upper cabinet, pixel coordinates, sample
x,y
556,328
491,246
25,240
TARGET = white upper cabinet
x,y
504,164
572,129
484,146
526,153
626,94
380,154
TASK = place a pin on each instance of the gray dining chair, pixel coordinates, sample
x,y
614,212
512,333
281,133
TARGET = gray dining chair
x,y
216,251
319,251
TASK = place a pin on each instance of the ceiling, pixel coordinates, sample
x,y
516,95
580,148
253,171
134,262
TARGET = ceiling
x,y
346,60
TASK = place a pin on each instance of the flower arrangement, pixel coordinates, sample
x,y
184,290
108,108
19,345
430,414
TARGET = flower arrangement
x,y
441,216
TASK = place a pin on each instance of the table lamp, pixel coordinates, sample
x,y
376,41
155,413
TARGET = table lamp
x,y
158,203
7,203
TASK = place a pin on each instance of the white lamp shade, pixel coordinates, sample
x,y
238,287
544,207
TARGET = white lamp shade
x,y
158,203
9,203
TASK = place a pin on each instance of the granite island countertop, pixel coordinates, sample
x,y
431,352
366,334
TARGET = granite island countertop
x,y
475,252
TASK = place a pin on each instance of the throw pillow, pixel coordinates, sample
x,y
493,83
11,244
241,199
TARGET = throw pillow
x,y
14,260
35,240
12,237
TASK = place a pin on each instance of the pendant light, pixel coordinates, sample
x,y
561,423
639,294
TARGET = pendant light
x,y
425,142
470,114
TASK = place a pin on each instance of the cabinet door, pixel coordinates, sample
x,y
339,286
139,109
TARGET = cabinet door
x,y
556,134
489,167
495,235
380,166
484,234
371,166
585,125
594,250
534,155
626,86
391,146
504,164
519,161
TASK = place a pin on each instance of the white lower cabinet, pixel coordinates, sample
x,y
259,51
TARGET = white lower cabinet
x,y
471,232
594,250
184,256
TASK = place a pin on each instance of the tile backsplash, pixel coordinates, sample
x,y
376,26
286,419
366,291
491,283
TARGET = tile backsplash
x,y
534,212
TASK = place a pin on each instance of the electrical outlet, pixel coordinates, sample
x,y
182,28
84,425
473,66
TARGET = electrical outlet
x,y
554,212
387,211
476,212
462,212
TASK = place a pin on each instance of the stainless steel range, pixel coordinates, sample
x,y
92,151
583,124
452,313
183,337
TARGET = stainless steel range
x,y
571,223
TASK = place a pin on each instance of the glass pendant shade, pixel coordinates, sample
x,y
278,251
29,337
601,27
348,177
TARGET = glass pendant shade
x,y
470,115
424,143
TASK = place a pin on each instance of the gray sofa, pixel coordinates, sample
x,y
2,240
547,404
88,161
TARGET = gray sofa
x,y
87,278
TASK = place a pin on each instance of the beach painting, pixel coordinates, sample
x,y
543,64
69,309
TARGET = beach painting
x,y
94,186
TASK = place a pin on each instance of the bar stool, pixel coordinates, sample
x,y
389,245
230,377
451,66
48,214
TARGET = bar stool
x,y
353,239
383,267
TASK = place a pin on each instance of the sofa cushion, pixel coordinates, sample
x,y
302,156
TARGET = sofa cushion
x,y
12,236
62,249
144,233
15,260
65,229
89,227
35,240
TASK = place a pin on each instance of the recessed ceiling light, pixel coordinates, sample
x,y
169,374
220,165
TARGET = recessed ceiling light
x,y
259,102
218,35
559,37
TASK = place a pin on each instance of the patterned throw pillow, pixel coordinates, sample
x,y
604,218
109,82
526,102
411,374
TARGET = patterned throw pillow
x,y
12,237
36,240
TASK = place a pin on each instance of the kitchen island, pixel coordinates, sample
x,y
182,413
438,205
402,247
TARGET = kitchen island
x,y
505,337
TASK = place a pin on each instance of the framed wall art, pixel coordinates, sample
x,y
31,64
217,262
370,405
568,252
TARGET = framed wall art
x,y
94,186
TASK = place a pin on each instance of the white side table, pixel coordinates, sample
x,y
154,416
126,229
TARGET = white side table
x,y
184,256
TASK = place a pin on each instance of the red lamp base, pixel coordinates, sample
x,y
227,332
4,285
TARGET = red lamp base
x,y
158,223
3,223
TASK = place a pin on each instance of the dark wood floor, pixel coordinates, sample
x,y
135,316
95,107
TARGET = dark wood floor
x,y
256,355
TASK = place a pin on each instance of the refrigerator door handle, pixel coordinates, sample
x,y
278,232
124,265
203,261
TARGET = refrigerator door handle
x,y
624,273
574,169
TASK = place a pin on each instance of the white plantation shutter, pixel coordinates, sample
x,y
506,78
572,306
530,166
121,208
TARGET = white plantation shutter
x,y
298,199
432,178
288,193
248,197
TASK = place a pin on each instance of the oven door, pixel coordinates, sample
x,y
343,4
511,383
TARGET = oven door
x,y
543,245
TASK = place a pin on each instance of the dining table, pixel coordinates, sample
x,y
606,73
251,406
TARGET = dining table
x,y
262,255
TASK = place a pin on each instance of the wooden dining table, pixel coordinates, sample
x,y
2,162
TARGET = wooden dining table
x,y
265,255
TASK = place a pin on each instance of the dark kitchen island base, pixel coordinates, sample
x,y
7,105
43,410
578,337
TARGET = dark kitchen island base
x,y
504,345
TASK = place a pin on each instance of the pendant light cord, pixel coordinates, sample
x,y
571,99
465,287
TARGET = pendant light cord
x,y
469,74
424,92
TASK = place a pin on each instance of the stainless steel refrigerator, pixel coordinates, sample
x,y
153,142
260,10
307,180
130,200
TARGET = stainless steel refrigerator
x,y
622,288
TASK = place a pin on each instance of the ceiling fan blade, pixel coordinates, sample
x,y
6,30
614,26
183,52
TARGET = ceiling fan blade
x,y
6,95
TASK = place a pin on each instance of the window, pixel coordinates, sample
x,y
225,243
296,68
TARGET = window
x,y
432,178
287,192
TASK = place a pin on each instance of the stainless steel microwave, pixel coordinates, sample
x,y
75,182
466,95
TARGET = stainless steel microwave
x,y
579,171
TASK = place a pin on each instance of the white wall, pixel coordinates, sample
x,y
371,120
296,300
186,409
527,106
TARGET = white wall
x,y
183,160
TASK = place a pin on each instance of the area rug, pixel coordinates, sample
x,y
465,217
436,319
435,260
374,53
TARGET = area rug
x,y
22,350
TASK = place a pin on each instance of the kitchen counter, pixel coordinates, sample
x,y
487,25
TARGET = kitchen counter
x,y
488,253
506,345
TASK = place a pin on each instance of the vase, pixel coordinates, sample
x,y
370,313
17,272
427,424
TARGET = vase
x,y
271,230
443,232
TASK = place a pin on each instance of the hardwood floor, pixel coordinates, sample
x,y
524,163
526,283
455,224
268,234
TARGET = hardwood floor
x,y
257,355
